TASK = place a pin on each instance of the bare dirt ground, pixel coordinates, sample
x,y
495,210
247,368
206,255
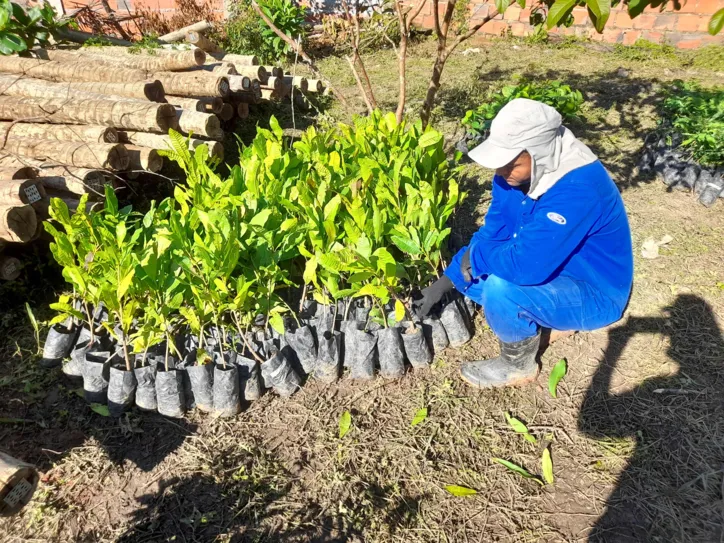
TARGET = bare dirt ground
x,y
636,433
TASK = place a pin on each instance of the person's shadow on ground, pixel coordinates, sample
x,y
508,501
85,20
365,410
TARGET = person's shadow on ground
x,y
671,489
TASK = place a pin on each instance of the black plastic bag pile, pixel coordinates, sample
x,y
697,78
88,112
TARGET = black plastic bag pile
x,y
668,161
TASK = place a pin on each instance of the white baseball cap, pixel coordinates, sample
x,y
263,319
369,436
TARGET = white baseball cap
x,y
520,125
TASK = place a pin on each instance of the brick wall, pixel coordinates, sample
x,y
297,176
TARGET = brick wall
x,y
685,28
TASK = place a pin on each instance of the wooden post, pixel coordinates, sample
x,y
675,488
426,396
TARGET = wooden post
x,y
121,114
274,71
203,124
75,180
202,42
69,71
144,158
60,132
179,60
84,155
163,142
18,172
180,34
254,72
193,84
238,60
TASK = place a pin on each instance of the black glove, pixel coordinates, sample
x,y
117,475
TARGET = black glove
x,y
431,295
465,268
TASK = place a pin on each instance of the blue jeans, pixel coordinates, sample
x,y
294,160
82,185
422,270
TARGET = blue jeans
x,y
515,312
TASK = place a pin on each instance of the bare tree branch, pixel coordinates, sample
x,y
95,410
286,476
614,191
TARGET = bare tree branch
x,y
473,30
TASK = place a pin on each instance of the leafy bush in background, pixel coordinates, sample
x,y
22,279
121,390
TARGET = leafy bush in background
x,y
20,30
554,93
246,33
698,115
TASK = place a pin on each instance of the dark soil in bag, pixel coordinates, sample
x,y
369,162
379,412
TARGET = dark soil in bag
x,y
391,352
170,392
74,367
435,334
96,368
201,378
58,344
327,368
145,384
121,389
360,353
226,391
250,386
279,374
345,327
416,348
455,326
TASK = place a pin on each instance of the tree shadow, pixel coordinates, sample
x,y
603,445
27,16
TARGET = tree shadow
x,y
671,486
253,502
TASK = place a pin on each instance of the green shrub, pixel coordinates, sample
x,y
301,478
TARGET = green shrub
x,y
20,30
698,115
247,33
554,93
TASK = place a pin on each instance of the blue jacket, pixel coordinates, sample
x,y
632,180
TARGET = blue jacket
x,y
578,228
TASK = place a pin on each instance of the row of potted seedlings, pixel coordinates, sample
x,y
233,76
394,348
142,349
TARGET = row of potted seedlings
x,y
192,295
220,379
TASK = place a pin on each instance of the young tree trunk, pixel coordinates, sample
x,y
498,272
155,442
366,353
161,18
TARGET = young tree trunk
x,y
180,34
19,192
193,84
179,60
203,124
120,114
60,132
18,224
69,72
144,158
84,155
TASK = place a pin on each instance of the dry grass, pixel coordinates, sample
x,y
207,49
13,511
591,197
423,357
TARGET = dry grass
x,y
637,432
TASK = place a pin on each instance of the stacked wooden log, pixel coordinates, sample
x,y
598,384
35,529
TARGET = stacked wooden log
x,y
74,120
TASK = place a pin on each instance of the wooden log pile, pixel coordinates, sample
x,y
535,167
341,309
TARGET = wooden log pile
x,y
73,120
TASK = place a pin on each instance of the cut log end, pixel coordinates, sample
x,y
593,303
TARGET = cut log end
x,y
18,224
118,158
223,86
199,57
153,90
9,269
227,112
144,158
166,117
242,110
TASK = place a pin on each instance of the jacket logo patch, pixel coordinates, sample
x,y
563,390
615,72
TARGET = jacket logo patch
x,y
556,218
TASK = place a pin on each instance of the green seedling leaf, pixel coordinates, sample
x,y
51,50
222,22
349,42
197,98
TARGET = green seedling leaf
x,y
345,423
101,409
517,469
519,427
399,311
557,373
547,465
457,490
420,416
